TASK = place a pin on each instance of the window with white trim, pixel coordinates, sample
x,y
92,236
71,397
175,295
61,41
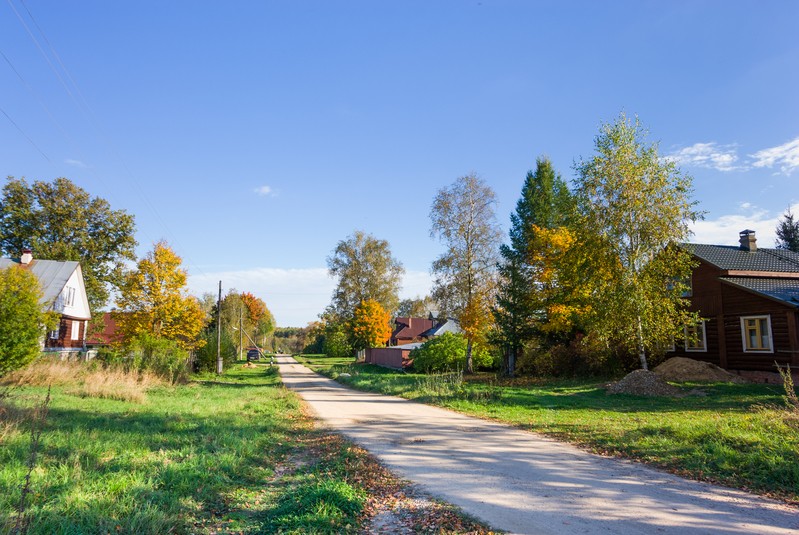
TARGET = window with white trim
x,y
75,330
695,339
54,334
756,333
69,296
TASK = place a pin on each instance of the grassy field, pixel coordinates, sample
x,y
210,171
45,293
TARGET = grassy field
x,y
230,454
734,435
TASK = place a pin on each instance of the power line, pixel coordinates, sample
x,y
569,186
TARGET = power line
x,y
82,104
24,134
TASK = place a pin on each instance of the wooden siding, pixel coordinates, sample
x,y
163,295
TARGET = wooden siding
x,y
722,306
64,339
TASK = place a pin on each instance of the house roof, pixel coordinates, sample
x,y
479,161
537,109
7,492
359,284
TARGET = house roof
x,y
109,333
52,274
784,290
449,326
410,327
733,258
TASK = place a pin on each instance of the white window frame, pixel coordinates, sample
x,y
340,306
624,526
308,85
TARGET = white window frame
x,y
53,335
745,337
69,298
75,334
702,349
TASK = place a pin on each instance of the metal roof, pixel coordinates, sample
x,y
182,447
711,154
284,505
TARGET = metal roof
x,y
52,274
734,258
785,290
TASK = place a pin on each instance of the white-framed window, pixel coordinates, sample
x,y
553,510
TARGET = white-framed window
x,y
75,330
695,339
53,335
69,296
756,333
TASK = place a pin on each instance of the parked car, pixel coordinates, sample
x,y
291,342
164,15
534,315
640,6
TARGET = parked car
x,y
253,354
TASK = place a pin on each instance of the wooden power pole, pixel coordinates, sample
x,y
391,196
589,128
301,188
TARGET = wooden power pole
x,y
219,331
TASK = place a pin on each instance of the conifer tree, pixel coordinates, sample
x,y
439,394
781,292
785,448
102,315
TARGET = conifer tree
x,y
788,233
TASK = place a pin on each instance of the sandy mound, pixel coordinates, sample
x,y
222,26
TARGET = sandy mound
x,y
644,383
680,369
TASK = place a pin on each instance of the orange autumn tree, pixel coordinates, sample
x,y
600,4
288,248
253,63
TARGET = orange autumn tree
x,y
370,325
154,301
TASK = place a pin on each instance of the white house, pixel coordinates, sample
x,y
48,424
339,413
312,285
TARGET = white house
x,y
64,291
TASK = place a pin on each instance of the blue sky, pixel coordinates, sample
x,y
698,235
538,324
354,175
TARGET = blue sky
x,y
253,136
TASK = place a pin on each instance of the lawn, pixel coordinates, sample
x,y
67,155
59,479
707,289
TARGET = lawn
x,y
733,435
229,454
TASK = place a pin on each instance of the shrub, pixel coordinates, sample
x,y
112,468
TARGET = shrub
x,y
22,320
447,352
205,357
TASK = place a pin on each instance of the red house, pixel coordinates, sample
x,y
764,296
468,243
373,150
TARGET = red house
x,y
409,330
748,299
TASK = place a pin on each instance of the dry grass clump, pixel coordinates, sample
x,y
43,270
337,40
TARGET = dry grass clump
x,y
117,384
87,379
46,371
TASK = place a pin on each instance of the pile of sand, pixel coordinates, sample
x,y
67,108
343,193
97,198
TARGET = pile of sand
x,y
681,369
644,383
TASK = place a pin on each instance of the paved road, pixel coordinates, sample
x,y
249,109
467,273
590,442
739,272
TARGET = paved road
x,y
523,483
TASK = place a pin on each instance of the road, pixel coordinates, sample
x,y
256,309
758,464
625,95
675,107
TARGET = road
x,y
523,483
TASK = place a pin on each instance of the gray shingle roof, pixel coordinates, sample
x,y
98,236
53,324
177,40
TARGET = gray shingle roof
x,y
730,257
785,290
52,274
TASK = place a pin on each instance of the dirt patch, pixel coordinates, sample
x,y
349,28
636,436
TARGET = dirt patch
x,y
681,369
645,383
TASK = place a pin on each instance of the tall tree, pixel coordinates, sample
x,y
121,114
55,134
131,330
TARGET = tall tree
x,y
370,325
365,270
22,318
462,217
61,221
635,208
545,203
154,300
788,232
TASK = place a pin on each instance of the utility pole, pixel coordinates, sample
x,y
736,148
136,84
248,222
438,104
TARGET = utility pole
x,y
219,331
241,333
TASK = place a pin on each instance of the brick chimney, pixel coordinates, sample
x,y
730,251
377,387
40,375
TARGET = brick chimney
x,y
26,258
748,241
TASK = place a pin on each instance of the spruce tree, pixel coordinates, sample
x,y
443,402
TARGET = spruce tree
x,y
788,233
544,203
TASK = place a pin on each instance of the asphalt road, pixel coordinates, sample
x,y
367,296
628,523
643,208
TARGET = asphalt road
x,y
520,482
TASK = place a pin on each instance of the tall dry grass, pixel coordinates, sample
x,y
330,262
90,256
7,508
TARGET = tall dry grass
x,y
86,379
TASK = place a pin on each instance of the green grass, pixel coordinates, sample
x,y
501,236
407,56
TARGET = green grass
x,y
211,456
734,435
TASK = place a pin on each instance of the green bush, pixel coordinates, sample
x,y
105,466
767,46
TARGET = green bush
x,y
158,356
446,353
205,357
22,320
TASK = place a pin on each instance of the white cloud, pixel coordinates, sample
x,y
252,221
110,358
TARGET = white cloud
x,y
724,230
295,296
786,156
76,163
709,155
265,191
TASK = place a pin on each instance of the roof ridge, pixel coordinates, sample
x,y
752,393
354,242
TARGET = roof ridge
x,y
787,258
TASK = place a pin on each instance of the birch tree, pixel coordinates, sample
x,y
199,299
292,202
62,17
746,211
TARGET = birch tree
x,y
365,271
635,208
462,217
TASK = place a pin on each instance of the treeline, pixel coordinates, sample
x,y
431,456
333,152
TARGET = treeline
x,y
590,279
161,327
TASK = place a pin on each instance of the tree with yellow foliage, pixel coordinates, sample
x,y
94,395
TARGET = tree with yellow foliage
x,y
635,208
153,301
370,325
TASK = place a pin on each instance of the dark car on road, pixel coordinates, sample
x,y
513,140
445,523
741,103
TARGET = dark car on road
x,y
253,354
